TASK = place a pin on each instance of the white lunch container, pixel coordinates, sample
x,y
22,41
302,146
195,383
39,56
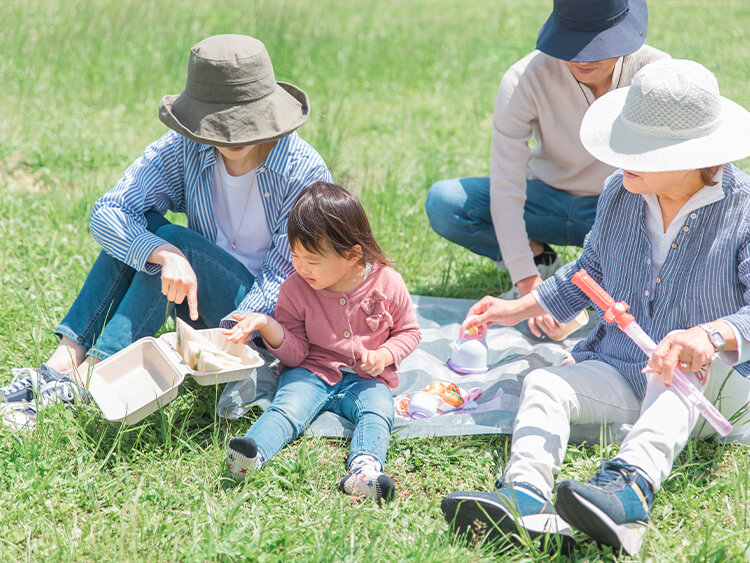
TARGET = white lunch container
x,y
133,383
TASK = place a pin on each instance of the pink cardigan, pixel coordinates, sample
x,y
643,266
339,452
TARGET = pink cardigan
x,y
327,330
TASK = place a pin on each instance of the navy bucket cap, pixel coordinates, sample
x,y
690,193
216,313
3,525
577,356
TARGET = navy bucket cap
x,y
592,30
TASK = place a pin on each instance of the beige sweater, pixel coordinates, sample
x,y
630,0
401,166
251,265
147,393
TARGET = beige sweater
x,y
539,97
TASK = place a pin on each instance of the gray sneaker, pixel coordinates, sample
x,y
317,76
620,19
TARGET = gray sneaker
x,y
547,263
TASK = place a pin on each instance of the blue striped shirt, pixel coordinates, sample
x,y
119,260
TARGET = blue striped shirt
x,y
705,277
175,173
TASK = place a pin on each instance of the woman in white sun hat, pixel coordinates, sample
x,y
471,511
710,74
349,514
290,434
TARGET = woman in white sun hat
x,y
672,239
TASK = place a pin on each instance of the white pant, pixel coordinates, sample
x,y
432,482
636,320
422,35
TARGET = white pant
x,y
594,392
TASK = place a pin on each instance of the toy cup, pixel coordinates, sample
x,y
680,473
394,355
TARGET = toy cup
x,y
469,352
423,404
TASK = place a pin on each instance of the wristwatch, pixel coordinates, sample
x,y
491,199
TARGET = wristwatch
x,y
716,338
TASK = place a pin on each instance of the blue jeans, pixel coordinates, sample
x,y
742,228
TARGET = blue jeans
x,y
459,210
117,305
301,396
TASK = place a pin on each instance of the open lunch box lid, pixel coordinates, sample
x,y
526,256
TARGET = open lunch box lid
x,y
133,383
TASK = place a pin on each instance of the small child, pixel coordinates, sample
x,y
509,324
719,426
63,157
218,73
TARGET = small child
x,y
344,322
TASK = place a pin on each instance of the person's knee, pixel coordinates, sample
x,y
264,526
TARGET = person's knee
x,y
377,402
545,382
440,206
176,235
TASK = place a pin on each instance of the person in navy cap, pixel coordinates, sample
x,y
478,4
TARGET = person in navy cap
x,y
543,185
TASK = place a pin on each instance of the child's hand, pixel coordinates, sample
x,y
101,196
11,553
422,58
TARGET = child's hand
x,y
375,361
246,324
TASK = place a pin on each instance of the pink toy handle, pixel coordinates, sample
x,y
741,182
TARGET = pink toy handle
x,y
616,312
479,333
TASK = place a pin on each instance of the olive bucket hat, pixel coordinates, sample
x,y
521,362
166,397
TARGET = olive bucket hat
x,y
231,97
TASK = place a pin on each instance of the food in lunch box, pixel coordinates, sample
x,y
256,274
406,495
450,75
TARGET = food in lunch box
x,y
200,353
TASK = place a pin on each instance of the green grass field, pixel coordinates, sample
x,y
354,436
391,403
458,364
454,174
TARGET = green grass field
x,y
402,95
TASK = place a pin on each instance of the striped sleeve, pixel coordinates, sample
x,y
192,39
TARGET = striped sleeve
x,y
557,295
154,182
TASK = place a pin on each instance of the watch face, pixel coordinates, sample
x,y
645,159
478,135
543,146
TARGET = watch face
x,y
717,340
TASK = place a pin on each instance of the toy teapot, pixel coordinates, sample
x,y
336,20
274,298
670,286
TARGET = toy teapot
x,y
469,352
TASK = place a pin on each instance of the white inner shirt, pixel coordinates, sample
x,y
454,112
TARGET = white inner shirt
x,y
240,218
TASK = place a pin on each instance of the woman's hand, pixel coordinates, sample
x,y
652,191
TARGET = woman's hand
x,y
539,323
375,361
690,349
491,310
178,279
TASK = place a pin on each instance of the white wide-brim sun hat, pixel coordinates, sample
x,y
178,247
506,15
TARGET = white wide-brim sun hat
x,y
672,117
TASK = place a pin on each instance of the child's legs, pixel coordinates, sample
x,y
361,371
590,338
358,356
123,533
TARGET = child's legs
x,y
369,405
300,396
551,399
667,421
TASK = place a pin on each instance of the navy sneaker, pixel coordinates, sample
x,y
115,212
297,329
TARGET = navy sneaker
x,y
504,515
612,507
21,389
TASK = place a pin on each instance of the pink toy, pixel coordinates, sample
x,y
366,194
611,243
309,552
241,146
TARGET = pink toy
x,y
469,352
617,313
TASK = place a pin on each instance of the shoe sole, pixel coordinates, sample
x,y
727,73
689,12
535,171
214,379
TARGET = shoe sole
x,y
484,520
584,515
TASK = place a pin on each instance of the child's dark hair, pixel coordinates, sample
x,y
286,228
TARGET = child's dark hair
x,y
327,215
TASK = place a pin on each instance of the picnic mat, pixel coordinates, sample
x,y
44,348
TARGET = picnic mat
x,y
513,352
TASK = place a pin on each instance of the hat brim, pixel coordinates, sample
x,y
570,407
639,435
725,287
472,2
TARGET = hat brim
x,y
237,125
624,38
610,140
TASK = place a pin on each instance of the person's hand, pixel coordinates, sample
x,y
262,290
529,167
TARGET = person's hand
x,y
490,310
540,323
375,361
178,279
690,349
246,324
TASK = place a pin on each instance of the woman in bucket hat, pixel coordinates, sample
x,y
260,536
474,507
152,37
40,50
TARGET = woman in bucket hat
x,y
234,165
545,194
671,239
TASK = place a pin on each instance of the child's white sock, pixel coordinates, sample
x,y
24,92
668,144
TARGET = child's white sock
x,y
365,478
242,457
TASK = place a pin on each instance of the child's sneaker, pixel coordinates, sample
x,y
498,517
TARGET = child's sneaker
x,y
502,515
370,483
612,507
242,457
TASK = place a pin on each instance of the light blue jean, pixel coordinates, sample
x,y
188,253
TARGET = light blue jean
x,y
301,396
117,305
459,210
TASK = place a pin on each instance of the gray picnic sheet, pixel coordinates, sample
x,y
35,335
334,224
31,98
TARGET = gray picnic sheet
x,y
513,352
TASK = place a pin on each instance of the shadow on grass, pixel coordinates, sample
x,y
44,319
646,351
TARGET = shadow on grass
x,y
187,424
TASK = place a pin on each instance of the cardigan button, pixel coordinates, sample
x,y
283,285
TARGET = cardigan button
x,y
685,229
350,362
342,301
674,245
347,334
658,280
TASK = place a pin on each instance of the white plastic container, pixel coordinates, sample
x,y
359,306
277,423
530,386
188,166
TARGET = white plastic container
x,y
135,382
